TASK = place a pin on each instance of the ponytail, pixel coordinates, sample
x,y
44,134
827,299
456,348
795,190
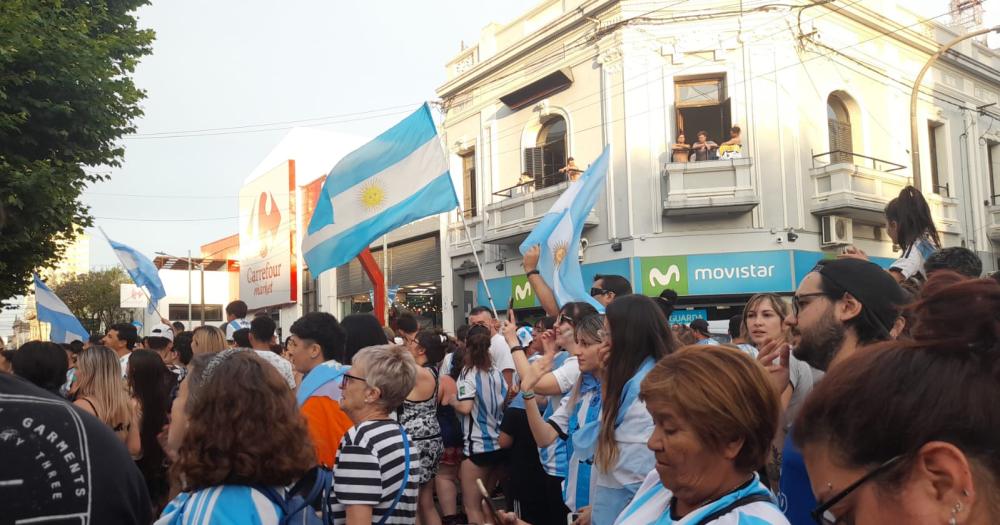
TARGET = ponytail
x,y
913,218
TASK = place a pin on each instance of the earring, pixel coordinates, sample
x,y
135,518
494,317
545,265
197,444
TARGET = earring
x,y
954,512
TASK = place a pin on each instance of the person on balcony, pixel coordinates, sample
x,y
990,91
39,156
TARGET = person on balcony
x,y
732,148
525,179
682,150
704,149
570,169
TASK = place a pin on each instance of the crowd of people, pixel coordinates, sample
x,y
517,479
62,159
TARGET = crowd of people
x,y
867,396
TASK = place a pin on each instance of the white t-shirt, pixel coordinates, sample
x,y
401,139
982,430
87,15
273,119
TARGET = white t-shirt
x,y
499,354
635,460
912,261
235,325
481,427
574,495
651,504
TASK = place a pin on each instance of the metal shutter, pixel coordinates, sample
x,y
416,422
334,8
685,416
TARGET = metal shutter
x,y
409,263
534,163
840,140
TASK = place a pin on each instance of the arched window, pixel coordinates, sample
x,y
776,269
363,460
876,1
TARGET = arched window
x,y
839,125
544,161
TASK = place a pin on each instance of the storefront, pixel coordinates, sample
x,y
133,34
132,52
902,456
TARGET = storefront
x,y
414,275
709,286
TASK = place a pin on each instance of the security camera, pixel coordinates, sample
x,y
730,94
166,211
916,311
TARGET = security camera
x,y
792,236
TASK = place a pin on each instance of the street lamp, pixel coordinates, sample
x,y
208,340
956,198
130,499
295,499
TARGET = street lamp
x,y
914,140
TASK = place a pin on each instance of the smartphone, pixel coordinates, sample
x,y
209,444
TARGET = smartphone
x,y
510,310
572,517
489,501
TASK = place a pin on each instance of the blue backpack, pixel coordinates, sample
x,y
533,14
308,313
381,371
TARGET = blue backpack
x,y
298,505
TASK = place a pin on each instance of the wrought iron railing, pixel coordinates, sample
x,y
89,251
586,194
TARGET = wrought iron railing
x,y
840,156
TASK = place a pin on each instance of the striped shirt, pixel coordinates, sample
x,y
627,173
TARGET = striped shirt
x,y
567,419
555,457
235,325
221,504
482,426
651,505
369,471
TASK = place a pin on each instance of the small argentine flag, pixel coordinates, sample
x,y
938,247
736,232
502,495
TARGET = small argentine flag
x,y
142,271
65,327
399,177
558,234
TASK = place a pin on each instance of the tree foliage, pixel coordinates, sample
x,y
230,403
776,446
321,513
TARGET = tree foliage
x,y
93,297
66,99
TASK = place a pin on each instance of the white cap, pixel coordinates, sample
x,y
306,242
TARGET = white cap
x,y
162,330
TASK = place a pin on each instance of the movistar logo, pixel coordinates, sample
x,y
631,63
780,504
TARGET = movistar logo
x,y
522,292
658,278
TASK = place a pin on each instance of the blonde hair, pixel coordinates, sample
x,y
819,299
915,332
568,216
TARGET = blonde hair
x,y
99,375
389,368
778,304
209,339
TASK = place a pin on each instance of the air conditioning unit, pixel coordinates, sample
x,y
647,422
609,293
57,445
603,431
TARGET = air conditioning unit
x,y
837,230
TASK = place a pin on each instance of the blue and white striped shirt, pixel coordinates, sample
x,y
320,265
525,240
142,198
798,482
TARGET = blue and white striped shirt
x,y
567,419
555,457
651,506
482,426
221,504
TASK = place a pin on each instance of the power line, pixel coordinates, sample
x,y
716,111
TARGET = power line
x,y
199,219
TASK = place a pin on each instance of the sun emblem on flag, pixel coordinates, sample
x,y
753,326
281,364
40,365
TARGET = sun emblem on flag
x,y
559,251
372,194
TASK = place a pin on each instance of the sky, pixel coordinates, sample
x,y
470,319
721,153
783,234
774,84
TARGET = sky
x,y
227,63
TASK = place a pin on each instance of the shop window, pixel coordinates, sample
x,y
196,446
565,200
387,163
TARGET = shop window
x,y
469,183
310,297
935,141
993,160
179,312
839,126
543,162
702,105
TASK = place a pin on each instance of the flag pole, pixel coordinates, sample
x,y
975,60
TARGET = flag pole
x,y
148,298
479,265
385,278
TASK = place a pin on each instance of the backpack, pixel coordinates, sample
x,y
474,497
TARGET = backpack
x,y
299,504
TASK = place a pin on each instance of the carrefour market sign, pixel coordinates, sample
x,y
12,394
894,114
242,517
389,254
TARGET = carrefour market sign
x,y
716,274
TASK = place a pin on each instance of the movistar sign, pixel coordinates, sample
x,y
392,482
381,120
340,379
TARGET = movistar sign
x,y
718,274
521,291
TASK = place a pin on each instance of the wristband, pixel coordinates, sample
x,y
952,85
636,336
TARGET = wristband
x,y
527,394
516,349
532,272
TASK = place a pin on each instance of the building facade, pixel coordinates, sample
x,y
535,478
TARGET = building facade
x,y
820,93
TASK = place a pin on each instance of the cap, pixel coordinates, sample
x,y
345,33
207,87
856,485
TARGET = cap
x,y
700,325
525,335
879,294
162,330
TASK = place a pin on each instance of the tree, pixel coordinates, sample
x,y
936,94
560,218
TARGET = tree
x,y
93,297
66,98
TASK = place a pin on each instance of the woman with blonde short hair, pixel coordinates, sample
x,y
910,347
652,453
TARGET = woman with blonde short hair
x,y
207,339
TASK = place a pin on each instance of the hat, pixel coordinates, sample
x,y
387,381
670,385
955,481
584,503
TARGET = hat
x,y
700,325
879,294
525,335
162,330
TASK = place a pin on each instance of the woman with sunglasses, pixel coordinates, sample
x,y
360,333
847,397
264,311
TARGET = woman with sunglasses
x,y
926,450
480,405
580,407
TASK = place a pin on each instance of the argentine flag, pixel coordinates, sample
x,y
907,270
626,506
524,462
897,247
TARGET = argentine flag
x,y
65,327
558,234
399,177
142,271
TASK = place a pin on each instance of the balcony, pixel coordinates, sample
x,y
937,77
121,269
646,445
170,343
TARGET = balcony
x,y
458,243
853,185
993,218
510,220
709,187
944,210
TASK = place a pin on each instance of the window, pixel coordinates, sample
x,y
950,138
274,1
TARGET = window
x,y
544,161
179,312
935,139
839,125
702,105
469,183
310,297
993,159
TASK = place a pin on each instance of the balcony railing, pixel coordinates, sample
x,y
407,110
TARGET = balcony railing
x,y
709,187
849,157
993,226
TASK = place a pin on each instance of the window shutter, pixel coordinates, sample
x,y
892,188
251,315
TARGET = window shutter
x,y
840,140
534,163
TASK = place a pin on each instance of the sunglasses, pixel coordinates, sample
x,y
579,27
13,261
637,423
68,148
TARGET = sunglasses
x,y
565,319
822,515
594,292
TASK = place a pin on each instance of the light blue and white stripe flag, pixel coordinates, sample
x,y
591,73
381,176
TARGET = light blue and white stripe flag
x,y
142,270
65,327
399,177
558,234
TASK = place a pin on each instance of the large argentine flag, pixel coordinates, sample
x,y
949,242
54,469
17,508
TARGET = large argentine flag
x,y
558,234
66,328
141,269
399,177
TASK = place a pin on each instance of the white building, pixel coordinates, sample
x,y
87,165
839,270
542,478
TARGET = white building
x,y
821,92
